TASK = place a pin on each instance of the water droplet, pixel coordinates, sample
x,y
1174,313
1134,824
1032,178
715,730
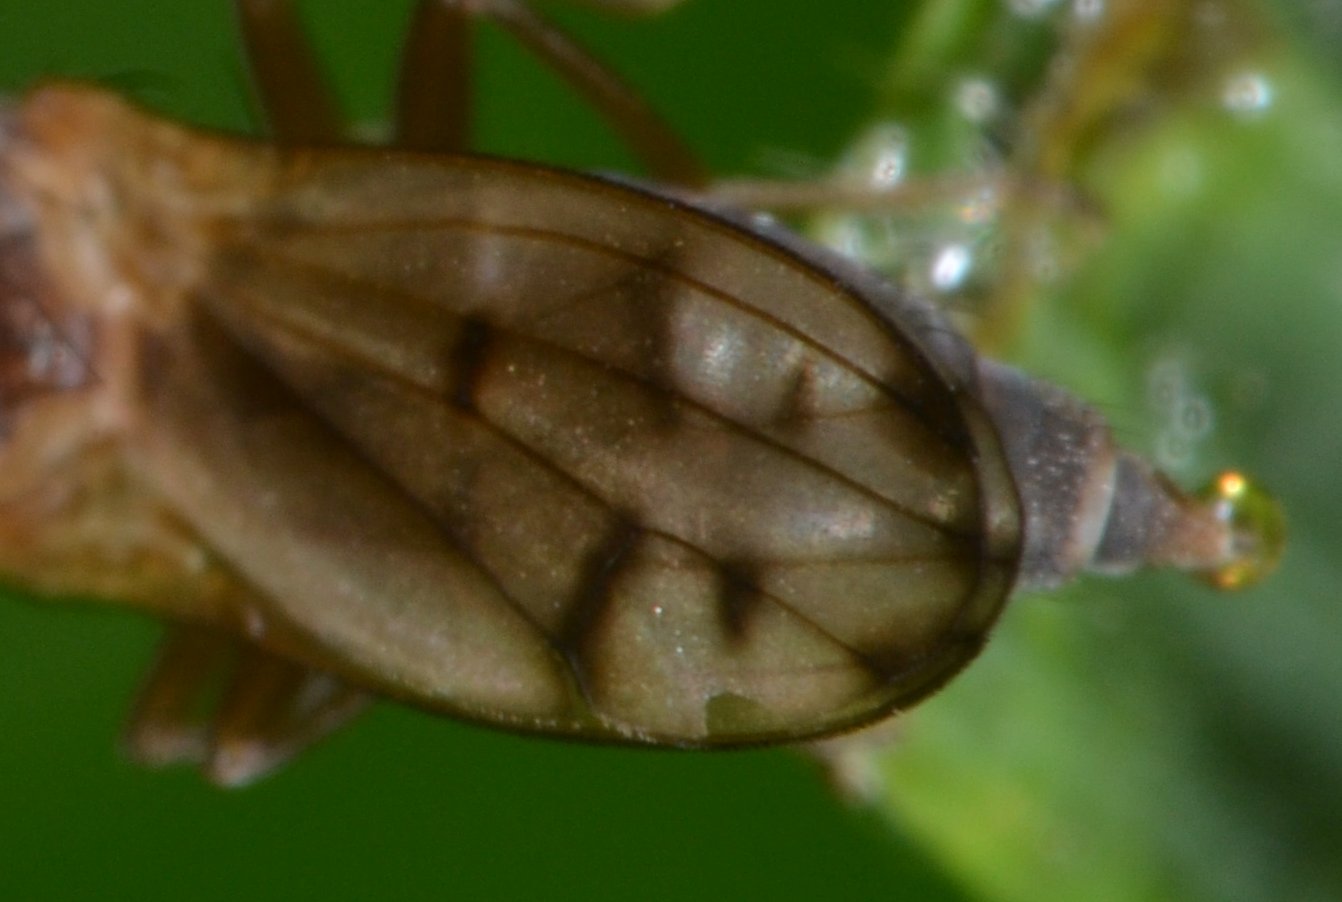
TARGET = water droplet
x,y
978,99
1258,530
879,158
950,265
1248,95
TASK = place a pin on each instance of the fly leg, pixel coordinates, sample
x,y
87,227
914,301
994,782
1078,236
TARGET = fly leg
x,y
433,91
273,710
434,76
298,105
238,712
433,97
168,723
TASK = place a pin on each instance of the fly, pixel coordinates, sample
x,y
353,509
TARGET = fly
x,y
534,448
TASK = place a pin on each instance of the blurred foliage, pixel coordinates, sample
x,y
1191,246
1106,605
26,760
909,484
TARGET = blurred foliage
x,y
1164,239
1142,739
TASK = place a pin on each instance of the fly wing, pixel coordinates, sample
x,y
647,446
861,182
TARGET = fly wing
x,y
566,456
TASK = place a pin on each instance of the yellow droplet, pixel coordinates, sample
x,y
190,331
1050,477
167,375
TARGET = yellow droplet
x,y
1257,526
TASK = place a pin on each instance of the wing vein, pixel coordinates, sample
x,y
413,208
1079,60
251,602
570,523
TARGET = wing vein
x,y
914,406
675,398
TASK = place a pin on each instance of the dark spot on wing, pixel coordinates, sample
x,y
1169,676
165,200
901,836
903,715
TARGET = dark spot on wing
x,y
592,593
794,404
467,359
652,291
738,597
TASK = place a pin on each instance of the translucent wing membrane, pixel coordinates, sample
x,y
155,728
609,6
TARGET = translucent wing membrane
x,y
518,444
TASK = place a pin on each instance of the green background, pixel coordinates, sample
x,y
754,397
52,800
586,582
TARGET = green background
x,y
1143,739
